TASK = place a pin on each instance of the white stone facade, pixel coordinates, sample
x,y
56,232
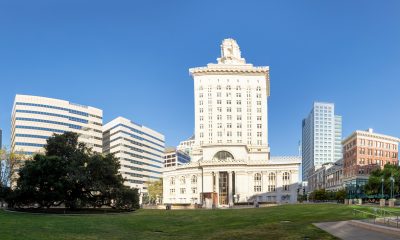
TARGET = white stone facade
x,y
231,104
140,151
246,181
35,119
231,156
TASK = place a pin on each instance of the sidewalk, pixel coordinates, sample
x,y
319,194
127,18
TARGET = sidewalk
x,y
347,231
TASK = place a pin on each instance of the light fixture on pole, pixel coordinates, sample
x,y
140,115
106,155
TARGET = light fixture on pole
x,y
391,186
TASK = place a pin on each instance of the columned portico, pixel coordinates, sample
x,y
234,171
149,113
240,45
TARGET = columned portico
x,y
216,186
230,193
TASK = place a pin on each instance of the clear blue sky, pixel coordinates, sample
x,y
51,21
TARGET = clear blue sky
x,y
131,58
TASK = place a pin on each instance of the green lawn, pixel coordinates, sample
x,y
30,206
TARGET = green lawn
x,y
261,223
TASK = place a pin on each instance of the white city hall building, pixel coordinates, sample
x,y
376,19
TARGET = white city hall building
x,y
231,157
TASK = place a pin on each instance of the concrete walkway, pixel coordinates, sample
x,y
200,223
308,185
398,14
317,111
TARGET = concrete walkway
x,y
347,231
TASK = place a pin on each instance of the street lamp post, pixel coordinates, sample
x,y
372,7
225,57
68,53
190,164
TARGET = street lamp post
x,y
391,186
382,187
350,189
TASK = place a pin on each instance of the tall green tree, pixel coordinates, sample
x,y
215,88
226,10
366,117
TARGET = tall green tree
x,y
103,180
71,174
340,195
374,184
155,191
10,162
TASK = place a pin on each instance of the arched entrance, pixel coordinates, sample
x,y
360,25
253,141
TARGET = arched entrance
x,y
223,188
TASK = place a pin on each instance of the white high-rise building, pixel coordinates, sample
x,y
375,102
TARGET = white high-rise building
x,y
35,119
186,146
321,137
231,104
230,155
140,151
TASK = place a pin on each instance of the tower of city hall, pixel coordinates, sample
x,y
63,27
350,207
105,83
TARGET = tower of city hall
x,y
231,105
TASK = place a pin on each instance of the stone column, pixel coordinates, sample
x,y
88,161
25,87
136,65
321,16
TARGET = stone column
x,y
199,188
264,181
230,196
217,187
278,186
382,202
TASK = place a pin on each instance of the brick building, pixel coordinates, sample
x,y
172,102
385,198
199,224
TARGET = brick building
x,y
363,152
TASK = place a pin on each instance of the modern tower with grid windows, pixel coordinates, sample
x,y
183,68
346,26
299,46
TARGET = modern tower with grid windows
x,y
321,137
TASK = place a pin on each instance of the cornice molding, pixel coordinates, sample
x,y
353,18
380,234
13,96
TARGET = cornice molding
x,y
370,135
229,70
232,163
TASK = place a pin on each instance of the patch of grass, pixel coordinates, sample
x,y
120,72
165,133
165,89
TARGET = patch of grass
x,y
281,222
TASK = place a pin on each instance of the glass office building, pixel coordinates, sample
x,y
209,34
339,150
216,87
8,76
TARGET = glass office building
x,y
321,137
34,119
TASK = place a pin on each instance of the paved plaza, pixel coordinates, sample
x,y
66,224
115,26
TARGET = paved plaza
x,y
346,231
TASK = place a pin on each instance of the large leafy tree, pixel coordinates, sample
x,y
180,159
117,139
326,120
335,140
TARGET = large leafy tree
x,y
155,191
374,184
9,164
40,181
103,180
71,174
